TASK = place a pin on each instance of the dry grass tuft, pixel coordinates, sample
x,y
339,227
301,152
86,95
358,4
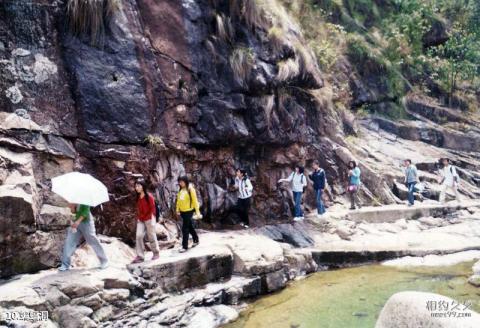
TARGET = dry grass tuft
x,y
89,17
287,69
251,11
225,30
242,61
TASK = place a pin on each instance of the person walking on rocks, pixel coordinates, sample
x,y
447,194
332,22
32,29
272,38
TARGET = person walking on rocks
x,y
411,178
146,220
319,181
299,182
450,180
186,205
83,225
353,184
245,189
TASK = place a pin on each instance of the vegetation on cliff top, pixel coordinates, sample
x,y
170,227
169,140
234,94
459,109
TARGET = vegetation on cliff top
x,y
430,47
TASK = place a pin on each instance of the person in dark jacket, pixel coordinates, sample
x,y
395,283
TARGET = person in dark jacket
x,y
319,182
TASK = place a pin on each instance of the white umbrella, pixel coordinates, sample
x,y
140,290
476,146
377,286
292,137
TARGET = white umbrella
x,y
80,188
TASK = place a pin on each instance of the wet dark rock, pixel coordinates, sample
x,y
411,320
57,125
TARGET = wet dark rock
x,y
297,235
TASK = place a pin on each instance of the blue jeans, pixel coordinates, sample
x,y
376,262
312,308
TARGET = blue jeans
x,y
297,197
87,230
318,197
411,189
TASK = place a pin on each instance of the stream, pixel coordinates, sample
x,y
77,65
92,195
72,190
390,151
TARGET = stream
x,y
353,297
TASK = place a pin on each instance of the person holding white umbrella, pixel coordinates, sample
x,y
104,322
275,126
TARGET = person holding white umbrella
x,y
81,191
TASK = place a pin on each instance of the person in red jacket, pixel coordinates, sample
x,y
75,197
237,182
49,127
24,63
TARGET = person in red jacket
x,y
146,220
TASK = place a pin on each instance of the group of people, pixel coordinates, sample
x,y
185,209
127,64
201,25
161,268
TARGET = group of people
x,y
449,180
187,206
299,183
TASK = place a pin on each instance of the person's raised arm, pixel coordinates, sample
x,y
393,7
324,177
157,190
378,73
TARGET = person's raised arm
x,y
289,179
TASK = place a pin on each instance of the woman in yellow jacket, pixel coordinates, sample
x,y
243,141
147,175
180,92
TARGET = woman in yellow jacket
x,y
186,205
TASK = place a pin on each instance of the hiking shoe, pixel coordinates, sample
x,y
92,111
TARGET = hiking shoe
x,y
137,259
182,250
63,268
155,257
103,265
195,244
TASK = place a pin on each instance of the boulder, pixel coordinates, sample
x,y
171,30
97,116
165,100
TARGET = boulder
x,y
418,309
54,217
274,281
475,278
69,316
299,262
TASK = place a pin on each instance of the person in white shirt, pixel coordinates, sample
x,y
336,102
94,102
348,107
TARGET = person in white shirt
x,y
245,189
450,180
299,182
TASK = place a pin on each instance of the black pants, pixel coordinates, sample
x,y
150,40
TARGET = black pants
x,y
243,206
187,228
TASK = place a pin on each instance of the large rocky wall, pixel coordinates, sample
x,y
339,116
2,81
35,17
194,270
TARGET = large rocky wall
x,y
68,103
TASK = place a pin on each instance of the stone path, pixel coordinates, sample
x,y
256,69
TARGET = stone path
x,y
227,267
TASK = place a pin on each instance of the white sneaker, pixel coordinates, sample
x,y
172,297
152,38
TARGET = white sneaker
x,y
297,218
103,265
182,250
246,226
63,268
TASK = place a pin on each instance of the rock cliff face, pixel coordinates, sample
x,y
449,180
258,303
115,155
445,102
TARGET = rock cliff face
x,y
168,88
160,88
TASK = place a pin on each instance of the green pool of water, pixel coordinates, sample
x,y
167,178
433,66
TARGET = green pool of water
x,y
353,297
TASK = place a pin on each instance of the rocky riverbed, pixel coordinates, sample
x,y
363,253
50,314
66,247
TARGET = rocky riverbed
x,y
208,285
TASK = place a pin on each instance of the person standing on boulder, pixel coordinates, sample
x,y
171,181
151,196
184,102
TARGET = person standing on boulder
x,y
411,178
299,182
353,184
83,225
146,220
186,205
450,180
245,189
319,181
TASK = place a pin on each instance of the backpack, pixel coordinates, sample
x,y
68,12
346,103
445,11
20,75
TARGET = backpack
x,y
322,172
301,180
157,210
455,176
